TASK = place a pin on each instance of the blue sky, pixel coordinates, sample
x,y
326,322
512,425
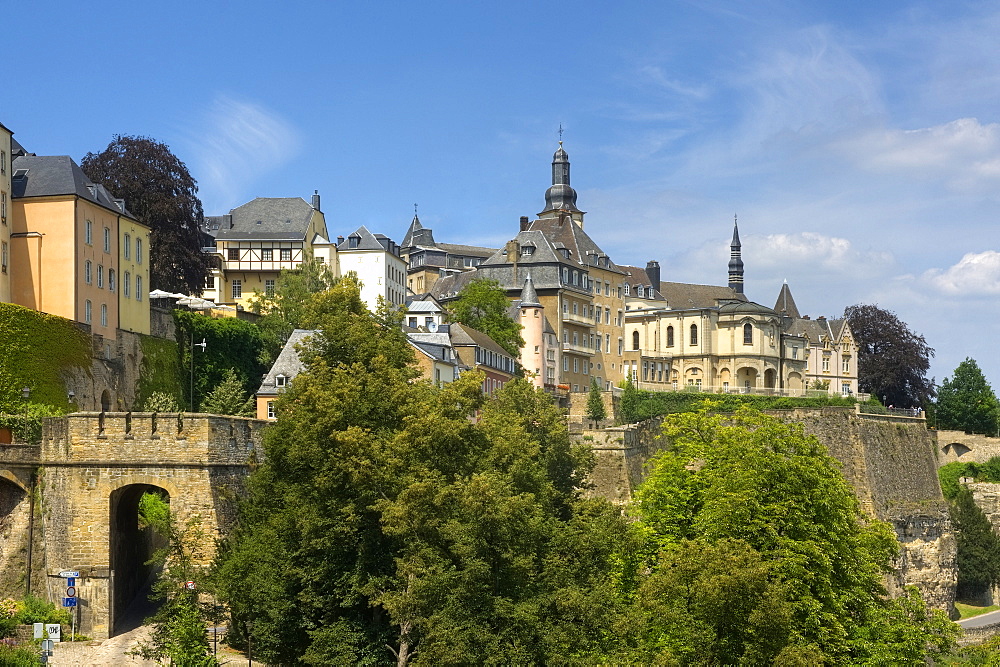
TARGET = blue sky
x,y
859,142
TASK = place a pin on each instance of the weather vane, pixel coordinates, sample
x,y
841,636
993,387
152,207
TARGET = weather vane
x,y
414,209
560,132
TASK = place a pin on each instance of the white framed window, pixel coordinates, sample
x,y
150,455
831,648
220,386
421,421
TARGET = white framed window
x,y
846,366
269,288
107,239
3,207
286,254
270,409
237,289
100,276
267,254
138,288
280,380
566,364
138,251
87,308
127,246
111,280
826,363
3,256
104,314
845,388
88,233
576,365
795,353
127,283
88,271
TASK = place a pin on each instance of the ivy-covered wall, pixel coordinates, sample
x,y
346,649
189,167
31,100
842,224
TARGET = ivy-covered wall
x,y
37,351
159,370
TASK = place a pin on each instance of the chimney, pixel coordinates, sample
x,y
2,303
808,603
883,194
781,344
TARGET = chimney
x,y
315,200
653,271
821,317
524,223
340,239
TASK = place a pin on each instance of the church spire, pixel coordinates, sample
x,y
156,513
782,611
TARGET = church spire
x,y
561,196
735,260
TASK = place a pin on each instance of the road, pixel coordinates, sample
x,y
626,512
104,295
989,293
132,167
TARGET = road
x,y
981,620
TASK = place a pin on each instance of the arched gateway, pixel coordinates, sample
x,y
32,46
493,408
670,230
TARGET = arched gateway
x,y
96,466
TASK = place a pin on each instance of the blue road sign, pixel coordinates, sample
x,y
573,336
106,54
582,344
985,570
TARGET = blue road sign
x,y
69,602
71,581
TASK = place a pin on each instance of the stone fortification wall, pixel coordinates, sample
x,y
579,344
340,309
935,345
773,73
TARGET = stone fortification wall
x,y
962,446
577,416
94,464
890,463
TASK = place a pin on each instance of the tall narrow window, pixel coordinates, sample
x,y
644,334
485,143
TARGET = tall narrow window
x,y
100,276
111,280
3,256
127,283
694,334
266,254
87,272
104,314
237,289
138,251
3,207
670,336
107,239
635,340
87,308
138,288
286,254
88,233
269,288
233,254
127,246
748,334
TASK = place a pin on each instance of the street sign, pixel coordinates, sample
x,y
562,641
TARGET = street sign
x,y
71,591
190,585
39,630
69,573
54,630
71,581
48,645
69,602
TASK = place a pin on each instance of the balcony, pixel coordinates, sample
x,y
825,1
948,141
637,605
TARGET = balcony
x,y
571,318
578,349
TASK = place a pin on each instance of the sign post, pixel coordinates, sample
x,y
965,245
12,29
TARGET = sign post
x,y
70,599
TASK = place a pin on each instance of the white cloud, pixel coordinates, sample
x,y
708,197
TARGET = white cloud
x,y
237,143
963,153
817,252
975,274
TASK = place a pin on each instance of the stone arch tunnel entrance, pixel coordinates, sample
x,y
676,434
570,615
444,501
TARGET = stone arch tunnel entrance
x,y
130,550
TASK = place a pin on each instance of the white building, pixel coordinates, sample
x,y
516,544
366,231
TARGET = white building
x,y
376,261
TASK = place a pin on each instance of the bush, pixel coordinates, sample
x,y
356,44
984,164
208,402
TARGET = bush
x,y
649,404
16,656
37,610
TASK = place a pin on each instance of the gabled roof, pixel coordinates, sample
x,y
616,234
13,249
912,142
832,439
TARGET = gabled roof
x,y
50,175
367,241
681,296
816,330
635,275
269,218
287,364
466,250
571,235
464,336
785,303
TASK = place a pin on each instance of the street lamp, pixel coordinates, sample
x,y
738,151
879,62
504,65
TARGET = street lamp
x,y
202,345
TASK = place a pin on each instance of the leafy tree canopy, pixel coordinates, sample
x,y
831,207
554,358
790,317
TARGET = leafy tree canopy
x,y
978,558
966,402
596,412
161,193
483,305
760,554
229,398
892,360
286,308
387,525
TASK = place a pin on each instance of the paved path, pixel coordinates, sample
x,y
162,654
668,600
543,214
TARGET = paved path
x,y
981,620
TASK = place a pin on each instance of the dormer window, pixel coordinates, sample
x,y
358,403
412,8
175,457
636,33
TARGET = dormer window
x,y
527,250
639,291
353,241
626,289
280,380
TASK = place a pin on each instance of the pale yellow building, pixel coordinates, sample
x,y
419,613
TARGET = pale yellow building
x,y
256,241
65,234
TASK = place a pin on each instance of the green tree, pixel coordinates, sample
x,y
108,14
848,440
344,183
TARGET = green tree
x,y
160,192
596,411
388,525
231,344
229,398
483,305
628,405
286,308
893,360
161,402
966,402
179,629
751,512
978,548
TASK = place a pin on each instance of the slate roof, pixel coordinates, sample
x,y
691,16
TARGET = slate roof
x,y
463,336
634,276
49,175
816,329
269,219
288,362
745,308
466,250
368,241
681,296
571,235
786,304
